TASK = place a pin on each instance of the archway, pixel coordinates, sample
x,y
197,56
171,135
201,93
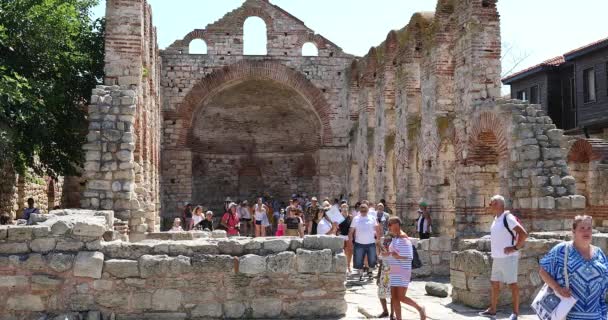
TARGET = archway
x,y
250,113
254,137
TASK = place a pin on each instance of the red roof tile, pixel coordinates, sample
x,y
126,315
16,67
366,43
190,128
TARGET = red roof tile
x,y
585,47
553,62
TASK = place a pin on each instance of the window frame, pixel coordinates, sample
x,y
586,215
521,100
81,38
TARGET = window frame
x,y
524,95
537,94
586,92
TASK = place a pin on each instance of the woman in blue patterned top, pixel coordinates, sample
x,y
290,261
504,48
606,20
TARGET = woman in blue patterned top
x,y
587,272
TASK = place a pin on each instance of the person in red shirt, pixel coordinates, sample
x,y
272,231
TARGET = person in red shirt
x,y
230,220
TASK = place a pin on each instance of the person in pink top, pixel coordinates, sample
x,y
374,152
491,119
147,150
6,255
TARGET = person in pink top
x,y
230,220
280,228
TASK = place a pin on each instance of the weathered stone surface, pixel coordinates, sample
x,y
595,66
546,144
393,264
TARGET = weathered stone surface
x,y
45,282
122,268
284,262
578,202
314,261
209,309
150,266
213,263
276,245
234,309
25,302
166,300
436,289
14,247
13,282
88,264
20,233
60,262
43,245
252,264
89,228
266,308
318,242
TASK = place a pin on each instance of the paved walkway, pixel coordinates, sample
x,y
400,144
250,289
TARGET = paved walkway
x,y
363,295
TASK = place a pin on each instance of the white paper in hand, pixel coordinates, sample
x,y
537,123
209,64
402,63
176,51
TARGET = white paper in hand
x,y
335,215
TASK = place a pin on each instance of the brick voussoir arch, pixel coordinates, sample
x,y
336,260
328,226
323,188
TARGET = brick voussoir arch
x,y
231,75
490,122
588,150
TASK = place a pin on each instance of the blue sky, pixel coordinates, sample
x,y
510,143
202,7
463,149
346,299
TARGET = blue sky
x,y
534,29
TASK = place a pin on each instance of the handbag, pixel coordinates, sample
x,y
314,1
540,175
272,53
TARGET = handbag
x,y
548,304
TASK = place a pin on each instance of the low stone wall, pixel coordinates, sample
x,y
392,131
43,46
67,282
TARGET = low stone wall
x,y
435,256
49,270
470,269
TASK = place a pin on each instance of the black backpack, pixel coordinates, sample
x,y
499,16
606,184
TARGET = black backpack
x,y
416,263
504,222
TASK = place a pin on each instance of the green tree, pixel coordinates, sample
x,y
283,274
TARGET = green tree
x,y
51,56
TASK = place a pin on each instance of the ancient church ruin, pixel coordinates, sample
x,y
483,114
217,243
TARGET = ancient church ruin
x,y
419,116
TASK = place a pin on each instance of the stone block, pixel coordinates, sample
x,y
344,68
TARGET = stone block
x,y
45,282
231,247
122,268
252,264
458,279
546,203
166,300
25,302
314,261
40,231
150,266
60,262
88,264
321,308
578,202
102,285
276,245
320,242
284,262
568,180
436,289
339,265
207,310
213,263
14,248
234,309
218,234
266,307
556,180
563,203
13,282
530,152
112,299
43,245
69,245
440,244
20,233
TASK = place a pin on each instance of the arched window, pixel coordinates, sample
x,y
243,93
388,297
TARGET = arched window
x,y
197,46
309,49
254,36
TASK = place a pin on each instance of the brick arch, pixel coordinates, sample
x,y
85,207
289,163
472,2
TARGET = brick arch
x,y
487,135
196,34
250,70
249,12
309,37
587,150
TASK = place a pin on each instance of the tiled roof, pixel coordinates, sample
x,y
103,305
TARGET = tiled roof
x,y
553,62
583,49
557,61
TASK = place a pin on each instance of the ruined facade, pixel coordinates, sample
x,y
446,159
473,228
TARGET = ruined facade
x,y
418,117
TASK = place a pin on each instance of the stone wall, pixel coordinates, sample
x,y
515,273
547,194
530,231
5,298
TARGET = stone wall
x,y
435,254
471,266
63,266
15,189
123,149
221,140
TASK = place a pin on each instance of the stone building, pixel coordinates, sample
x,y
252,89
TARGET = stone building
x,y
419,116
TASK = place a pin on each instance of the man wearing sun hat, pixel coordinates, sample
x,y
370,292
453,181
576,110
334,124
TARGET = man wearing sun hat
x,y
311,214
424,221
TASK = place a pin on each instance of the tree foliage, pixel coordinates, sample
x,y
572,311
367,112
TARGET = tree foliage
x,y
51,56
